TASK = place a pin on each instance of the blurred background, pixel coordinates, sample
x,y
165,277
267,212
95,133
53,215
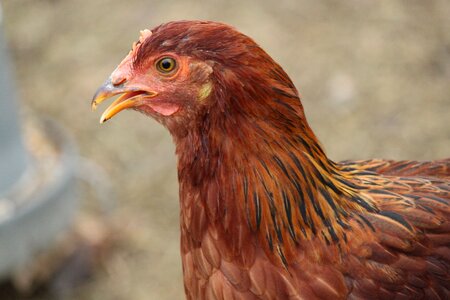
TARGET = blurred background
x,y
374,78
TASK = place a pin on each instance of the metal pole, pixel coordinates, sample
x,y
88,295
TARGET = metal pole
x,y
13,155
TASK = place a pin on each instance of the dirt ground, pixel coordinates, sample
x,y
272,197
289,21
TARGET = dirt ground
x,y
374,78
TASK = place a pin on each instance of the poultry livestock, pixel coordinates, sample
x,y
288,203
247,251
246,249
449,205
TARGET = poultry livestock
x,y
264,213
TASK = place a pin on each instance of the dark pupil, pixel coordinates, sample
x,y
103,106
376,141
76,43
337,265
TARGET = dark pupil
x,y
166,64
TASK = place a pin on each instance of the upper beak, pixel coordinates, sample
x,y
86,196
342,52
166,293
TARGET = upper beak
x,y
130,98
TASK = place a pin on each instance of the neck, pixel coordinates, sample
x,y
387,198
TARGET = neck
x,y
260,171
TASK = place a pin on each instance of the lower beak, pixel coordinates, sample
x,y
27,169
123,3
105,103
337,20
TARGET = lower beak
x,y
129,98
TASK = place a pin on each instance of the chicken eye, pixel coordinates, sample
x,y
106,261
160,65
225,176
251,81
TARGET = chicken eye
x,y
166,65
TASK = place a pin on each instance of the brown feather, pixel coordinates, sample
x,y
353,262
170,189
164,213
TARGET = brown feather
x,y
265,214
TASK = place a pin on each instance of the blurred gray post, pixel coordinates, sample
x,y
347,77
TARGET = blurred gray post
x,y
13,156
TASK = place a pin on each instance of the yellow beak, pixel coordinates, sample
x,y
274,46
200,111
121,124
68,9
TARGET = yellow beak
x,y
130,98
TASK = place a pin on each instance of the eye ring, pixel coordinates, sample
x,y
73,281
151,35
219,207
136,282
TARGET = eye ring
x,y
166,65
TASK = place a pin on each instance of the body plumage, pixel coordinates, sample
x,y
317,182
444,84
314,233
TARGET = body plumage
x,y
264,213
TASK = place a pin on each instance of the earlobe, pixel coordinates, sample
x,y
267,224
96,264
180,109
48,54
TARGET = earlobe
x,y
205,91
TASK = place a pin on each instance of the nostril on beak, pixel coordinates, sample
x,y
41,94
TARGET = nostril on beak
x,y
118,81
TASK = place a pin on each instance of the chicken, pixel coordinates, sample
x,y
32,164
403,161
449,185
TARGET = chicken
x,y
264,213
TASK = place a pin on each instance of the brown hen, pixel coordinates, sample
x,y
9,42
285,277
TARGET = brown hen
x,y
264,213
